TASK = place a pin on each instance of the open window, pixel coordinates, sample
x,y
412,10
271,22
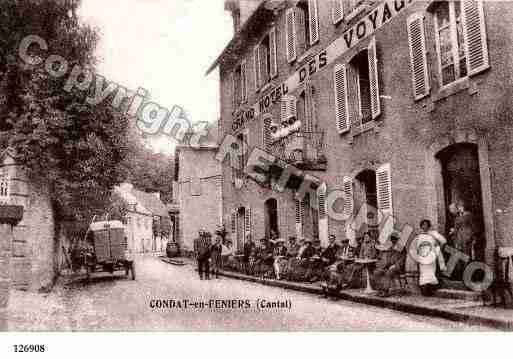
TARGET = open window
x,y
302,28
265,61
239,85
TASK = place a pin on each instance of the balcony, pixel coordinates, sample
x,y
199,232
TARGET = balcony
x,y
303,150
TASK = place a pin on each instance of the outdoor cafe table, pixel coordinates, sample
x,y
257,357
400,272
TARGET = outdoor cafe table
x,y
366,263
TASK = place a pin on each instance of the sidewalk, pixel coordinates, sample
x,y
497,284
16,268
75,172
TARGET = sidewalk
x,y
460,310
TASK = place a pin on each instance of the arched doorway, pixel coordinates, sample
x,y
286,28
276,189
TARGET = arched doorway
x,y
461,181
271,217
366,200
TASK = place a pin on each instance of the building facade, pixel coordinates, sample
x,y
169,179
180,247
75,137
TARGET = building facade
x,y
401,105
198,189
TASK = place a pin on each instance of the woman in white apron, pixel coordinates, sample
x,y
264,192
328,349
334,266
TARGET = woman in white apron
x,y
426,251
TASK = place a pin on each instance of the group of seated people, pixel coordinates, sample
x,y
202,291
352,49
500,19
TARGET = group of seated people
x,y
340,265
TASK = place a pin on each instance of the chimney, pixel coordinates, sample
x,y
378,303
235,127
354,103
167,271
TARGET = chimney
x,y
241,11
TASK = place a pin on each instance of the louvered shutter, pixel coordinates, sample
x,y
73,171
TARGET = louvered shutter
x,y
244,81
288,108
373,79
314,21
337,10
341,105
247,223
256,57
418,58
234,90
353,97
290,34
273,55
384,189
302,38
475,36
234,224
300,214
347,184
266,133
323,214
264,66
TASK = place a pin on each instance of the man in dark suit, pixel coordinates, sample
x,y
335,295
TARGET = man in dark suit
x,y
390,264
202,246
329,255
247,251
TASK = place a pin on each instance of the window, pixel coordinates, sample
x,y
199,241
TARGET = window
x,y
302,28
239,162
265,61
360,66
4,188
450,42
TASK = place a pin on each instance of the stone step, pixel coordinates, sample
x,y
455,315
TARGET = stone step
x,y
458,294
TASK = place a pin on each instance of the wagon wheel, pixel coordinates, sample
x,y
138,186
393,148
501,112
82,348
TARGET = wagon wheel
x,y
132,269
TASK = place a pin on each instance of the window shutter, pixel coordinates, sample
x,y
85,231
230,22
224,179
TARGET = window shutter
x,y
323,214
347,184
418,58
300,214
266,133
384,189
243,80
337,10
314,21
234,90
234,223
256,54
290,34
273,56
288,107
247,223
264,57
475,36
341,108
373,78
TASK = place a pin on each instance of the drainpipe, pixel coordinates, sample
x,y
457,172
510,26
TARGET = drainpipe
x,y
10,216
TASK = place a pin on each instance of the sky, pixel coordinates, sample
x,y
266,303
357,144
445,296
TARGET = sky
x,y
165,47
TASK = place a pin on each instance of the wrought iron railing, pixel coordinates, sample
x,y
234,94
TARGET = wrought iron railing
x,y
300,148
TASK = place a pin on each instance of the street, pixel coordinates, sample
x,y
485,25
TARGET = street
x,y
121,304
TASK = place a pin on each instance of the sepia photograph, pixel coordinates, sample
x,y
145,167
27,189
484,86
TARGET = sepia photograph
x,y
261,166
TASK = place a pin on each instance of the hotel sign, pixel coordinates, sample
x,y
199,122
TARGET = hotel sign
x,y
364,28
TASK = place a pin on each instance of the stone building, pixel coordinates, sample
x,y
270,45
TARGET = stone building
x,y
198,188
35,248
147,220
400,105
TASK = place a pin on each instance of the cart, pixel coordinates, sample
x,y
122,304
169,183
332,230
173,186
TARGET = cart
x,y
108,249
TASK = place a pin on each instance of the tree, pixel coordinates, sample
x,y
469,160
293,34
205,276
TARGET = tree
x,y
75,149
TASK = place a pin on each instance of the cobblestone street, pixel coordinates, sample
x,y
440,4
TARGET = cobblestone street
x,y
118,303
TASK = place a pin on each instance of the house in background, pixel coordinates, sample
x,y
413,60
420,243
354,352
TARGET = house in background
x,y
198,188
147,221
35,249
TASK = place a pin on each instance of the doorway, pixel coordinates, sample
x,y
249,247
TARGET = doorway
x,y
366,201
462,186
271,217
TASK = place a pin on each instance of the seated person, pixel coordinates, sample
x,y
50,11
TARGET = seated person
x,y
329,255
279,256
337,271
264,259
301,264
367,250
390,264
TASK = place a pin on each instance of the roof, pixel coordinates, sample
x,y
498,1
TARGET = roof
x,y
264,13
210,141
151,202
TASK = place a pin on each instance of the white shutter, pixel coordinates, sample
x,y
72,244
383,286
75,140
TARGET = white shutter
x,y
384,189
347,184
418,58
234,224
314,21
373,79
474,32
273,55
266,132
341,104
244,81
264,74
300,215
256,56
288,107
337,10
247,223
323,214
290,34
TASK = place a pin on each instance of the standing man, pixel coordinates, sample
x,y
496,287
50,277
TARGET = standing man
x,y
202,246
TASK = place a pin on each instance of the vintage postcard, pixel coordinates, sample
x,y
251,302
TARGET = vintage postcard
x,y
255,165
